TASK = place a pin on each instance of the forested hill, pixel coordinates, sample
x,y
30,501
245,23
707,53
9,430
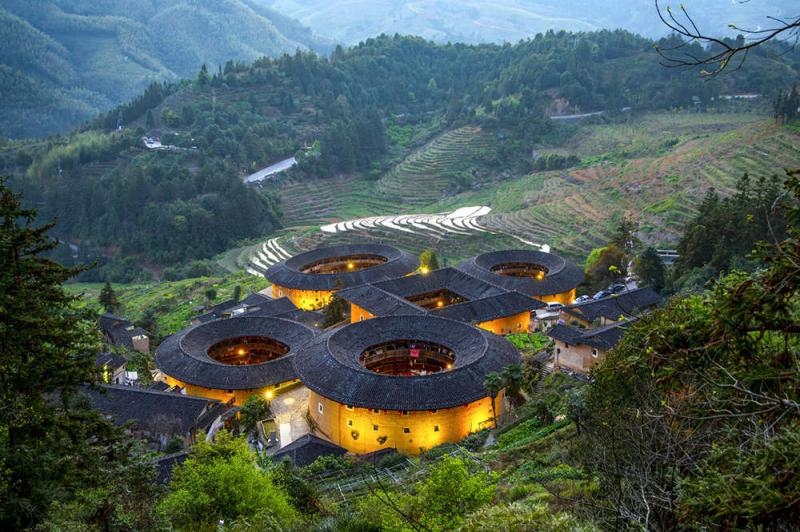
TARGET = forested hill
x,y
64,61
474,21
115,198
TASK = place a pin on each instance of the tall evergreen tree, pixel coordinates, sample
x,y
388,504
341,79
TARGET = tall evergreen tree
x,y
108,299
650,269
52,448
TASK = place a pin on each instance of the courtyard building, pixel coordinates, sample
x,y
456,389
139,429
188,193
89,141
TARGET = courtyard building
x,y
542,276
310,279
409,383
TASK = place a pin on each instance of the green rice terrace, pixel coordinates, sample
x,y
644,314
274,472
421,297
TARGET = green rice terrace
x,y
656,168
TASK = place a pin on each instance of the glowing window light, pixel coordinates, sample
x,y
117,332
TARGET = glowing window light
x,y
268,394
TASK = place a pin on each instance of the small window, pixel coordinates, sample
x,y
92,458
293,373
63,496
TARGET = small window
x,y
406,430
349,407
376,411
319,407
566,345
361,318
558,350
405,412
434,411
436,428
594,353
349,422
375,428
230,391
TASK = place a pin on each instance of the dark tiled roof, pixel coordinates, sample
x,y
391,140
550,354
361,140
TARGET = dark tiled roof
x,y
159,386
446,278
255,304
603,338
120,331
306,449
166,464
125,403
110,359
625,304
288,274
184,355
561,276
330,366
489,308
379,302
310,318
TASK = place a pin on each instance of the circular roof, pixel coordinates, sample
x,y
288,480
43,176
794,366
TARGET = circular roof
x,y
561,275
289,273
184,356
330,365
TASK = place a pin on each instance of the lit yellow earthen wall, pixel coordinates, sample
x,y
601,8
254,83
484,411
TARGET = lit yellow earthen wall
x,y
239,396
359,314
519,323
303,299
355,429
565,298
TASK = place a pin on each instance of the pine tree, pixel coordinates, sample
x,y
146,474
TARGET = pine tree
x,y
52,448
650,269
108,299
202,76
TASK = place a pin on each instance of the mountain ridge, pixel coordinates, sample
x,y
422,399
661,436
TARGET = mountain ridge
x,y
66,61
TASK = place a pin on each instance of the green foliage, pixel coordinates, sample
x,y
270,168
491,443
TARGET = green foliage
x,y
335,312
530,342
328,464
650,269
55,452
704,393
438,503
608,265
220,481
726,231
521,517
428,261
170,305
108,299
256,408
70,60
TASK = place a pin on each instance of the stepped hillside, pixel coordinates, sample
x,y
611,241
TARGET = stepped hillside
x,y
655,168
64,61
395,127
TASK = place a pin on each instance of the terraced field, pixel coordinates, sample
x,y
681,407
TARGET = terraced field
x,y
655,169
426,175
575,211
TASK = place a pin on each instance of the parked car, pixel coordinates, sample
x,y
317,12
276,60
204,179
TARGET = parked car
x,y
583,299
601,294
554,307
617,288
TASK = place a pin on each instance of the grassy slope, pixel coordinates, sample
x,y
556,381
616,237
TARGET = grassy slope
x,y
655,167
172,301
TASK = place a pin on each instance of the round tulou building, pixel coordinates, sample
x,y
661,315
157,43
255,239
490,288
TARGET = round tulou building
x,y
233,358
310,279
404,382
543,276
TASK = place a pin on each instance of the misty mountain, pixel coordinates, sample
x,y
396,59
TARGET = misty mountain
x,y
351,21
64,61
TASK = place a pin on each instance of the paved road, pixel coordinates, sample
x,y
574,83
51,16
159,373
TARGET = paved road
x,y
269,171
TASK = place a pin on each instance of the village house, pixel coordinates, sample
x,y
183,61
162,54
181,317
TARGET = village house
x,y
601,312
122,333
111,366
582,349
157,417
